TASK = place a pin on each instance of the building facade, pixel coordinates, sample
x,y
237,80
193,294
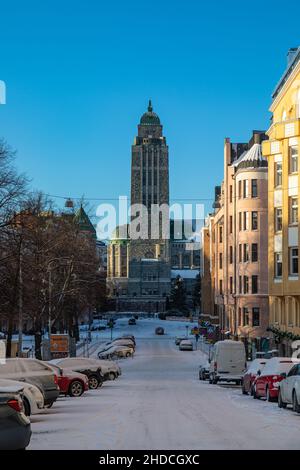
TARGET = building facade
x,y
282,151
235,244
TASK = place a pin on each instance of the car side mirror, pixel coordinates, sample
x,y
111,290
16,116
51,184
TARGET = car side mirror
x,y
259,372
283,375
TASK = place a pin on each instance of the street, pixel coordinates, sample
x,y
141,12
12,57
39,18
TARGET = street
x,y
159,403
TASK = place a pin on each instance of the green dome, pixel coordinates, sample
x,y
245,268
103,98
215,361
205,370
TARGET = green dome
x,y
150,118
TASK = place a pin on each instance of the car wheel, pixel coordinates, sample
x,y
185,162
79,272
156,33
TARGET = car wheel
x,y
112,376
27,409
76,389
128,354
281,403
296,406
93,382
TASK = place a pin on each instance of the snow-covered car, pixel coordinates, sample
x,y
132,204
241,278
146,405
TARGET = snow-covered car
x,y
123,342
251,374
115,351
131,337
204,371
186,345
82,365
266,384
159,330
32,397
110,369
34,372
289,389
15,428
70,382
132,321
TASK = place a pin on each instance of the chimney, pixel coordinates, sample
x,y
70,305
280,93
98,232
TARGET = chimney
x,y
291,55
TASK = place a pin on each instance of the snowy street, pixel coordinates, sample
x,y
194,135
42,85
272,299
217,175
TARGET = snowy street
x,y
159,403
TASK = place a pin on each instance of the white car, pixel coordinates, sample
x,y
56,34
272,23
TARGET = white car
x,y
186,345
33,399
115,351
289,389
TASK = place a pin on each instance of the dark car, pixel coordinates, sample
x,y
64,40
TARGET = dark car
x,y
15,429
159,331
35,372
204,371
132,321
82,365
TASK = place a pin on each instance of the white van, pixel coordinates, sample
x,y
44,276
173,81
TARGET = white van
x,y
228,362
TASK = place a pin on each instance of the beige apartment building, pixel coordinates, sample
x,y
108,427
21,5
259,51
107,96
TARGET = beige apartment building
x,y
282,150
235,240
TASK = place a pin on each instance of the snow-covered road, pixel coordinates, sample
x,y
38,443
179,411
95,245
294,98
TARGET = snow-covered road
x,y
159,403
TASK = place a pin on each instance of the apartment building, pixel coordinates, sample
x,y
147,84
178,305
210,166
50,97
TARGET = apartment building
x,y
281,151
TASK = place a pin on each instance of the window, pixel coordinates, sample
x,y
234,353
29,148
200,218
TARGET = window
x,y
240,284
245,188
255,316
240,221
240,317
278,219
254,284
240,189
246,285
221,286
246,220
246,253
278,264
240,253
230,224
293,213
254,253
254,220
253,188
245,316
230,254
278,174
293,160
293,261
220,261
231,285
221,234
230,193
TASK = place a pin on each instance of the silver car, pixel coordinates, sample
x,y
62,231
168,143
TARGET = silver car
x,y
15,429
289,389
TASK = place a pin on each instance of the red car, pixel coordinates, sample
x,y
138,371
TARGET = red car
x,y
251,374
71,383
266,383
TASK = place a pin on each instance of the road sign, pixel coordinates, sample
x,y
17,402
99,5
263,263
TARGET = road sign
x,y
59,346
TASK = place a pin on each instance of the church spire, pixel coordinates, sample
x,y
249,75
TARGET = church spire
x,y
150,108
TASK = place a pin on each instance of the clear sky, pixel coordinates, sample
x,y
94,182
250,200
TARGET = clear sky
x,y
79,76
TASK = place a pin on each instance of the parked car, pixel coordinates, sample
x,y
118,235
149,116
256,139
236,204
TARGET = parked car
x,y
266,384
159,330
71,383
115,351
289,389
130,337
15,428
178,339
186,345
132,321
109,369
34,372
33,399
251,374
204,371
82,365
228,362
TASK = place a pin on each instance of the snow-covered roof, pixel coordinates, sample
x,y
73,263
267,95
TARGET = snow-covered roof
x,y
251,158
184,273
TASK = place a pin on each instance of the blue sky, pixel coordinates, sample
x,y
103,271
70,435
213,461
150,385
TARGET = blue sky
x,y
79,76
